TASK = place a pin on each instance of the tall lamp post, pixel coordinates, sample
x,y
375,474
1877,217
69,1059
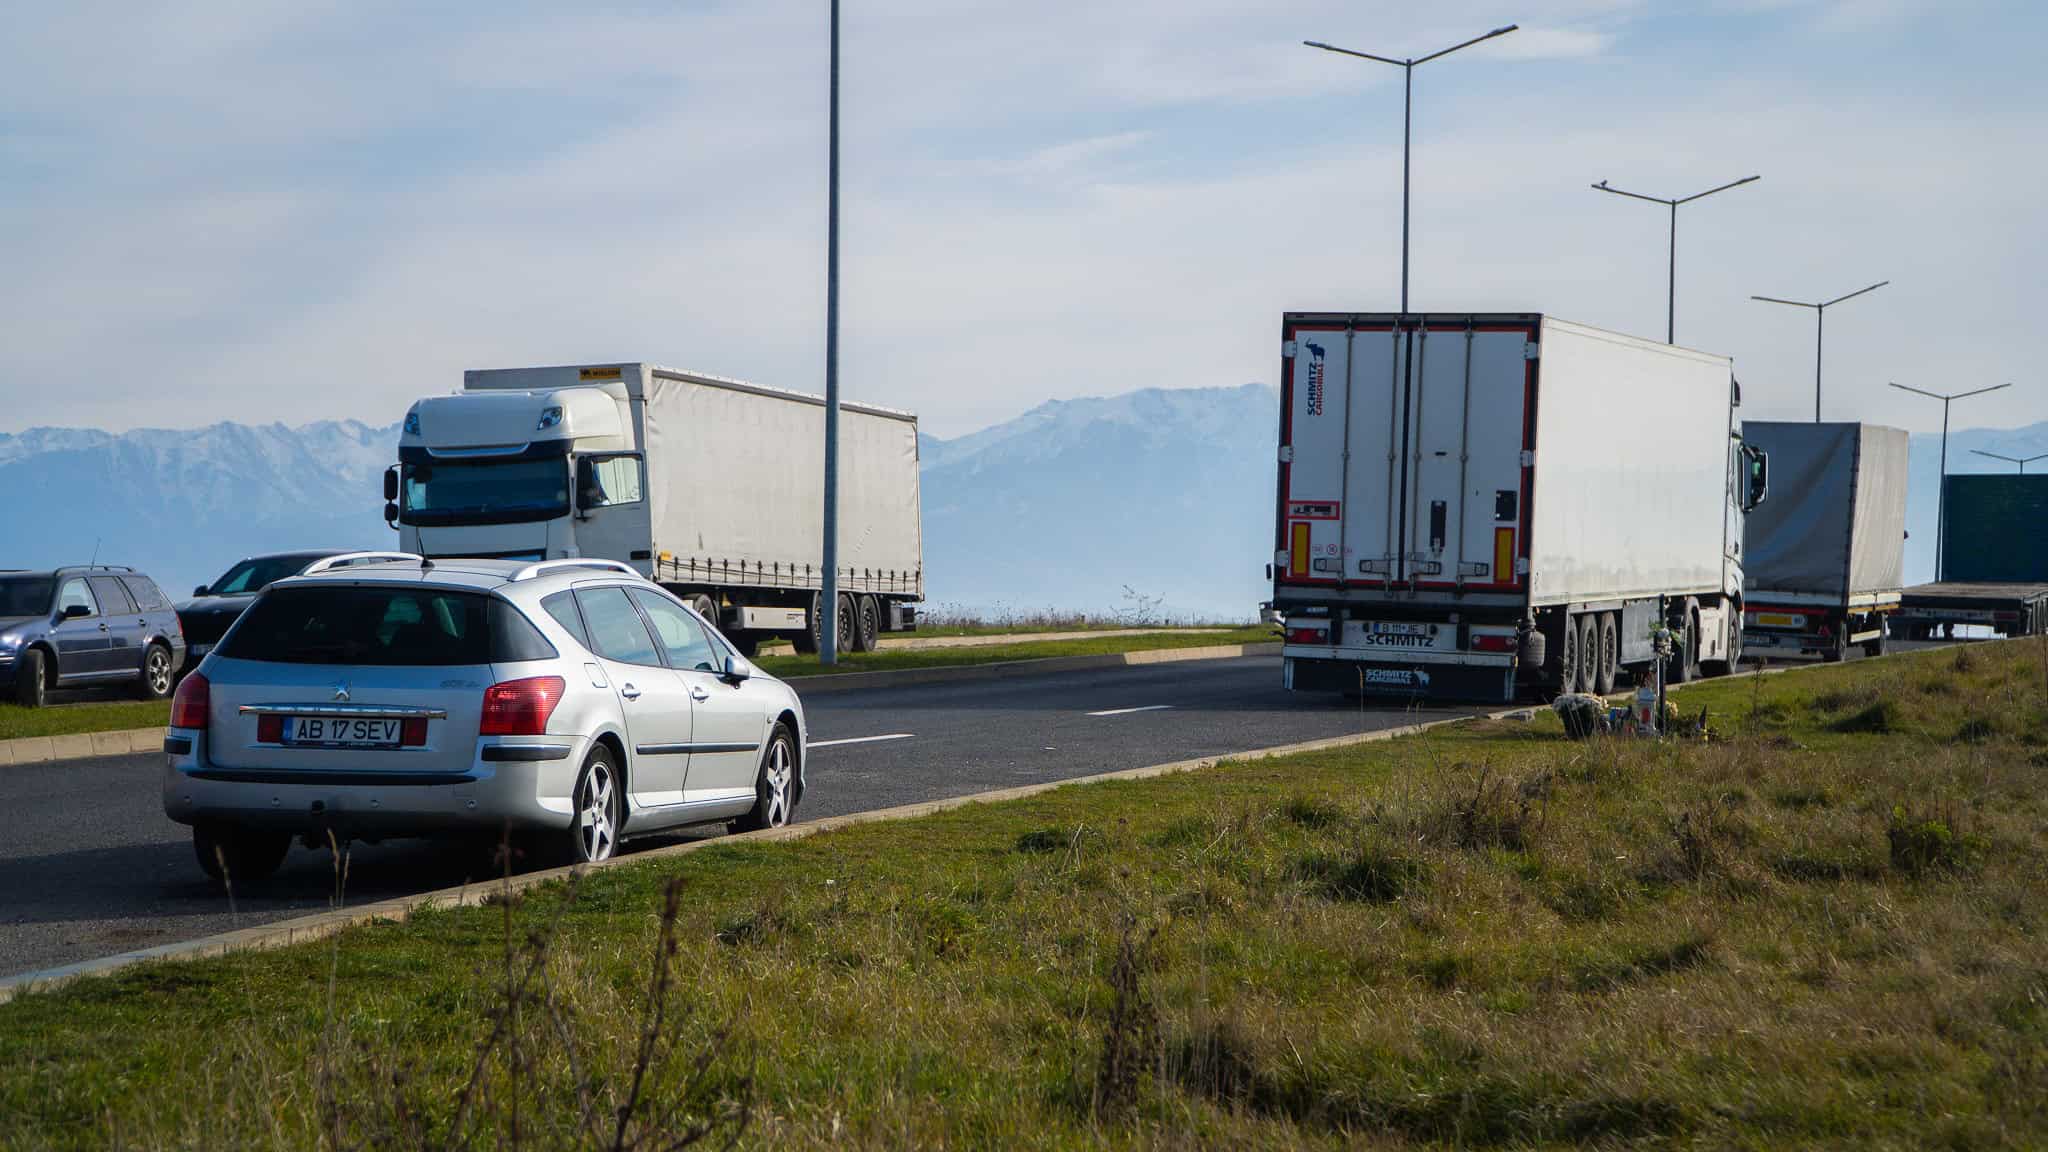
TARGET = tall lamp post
x,y
828,590
1671,290
1820,316
1941,504
1407,68
2022,461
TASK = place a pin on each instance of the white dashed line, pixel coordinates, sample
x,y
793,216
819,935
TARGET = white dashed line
x,y
862,740
1128,711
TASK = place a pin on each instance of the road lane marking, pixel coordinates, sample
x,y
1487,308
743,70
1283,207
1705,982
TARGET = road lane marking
x,y
862,740
1128,711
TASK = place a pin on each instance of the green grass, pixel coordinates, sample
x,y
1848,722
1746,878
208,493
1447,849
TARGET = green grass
x,y
109,716
897,658
1799,933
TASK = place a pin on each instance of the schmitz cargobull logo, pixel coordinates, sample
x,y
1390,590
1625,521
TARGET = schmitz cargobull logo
x,y
1315,379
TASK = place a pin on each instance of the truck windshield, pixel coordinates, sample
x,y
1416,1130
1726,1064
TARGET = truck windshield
x,y
485,491
24,595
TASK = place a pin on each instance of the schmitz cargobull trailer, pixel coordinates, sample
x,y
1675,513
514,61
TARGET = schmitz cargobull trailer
x,y
1469,503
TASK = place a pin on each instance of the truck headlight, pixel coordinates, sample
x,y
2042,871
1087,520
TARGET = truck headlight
x,y
550,417
412,423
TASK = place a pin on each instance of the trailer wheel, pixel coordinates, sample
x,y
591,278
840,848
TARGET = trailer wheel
x,y
1610,654
867,633
1838,648
1684,666
845,624
1589,654
1876,647
1569,658
806,641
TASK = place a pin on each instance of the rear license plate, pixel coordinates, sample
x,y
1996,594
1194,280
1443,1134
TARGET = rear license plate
x,y
1384,628
340,732
1780,620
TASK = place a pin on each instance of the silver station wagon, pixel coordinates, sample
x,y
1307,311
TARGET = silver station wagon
x,y
569,702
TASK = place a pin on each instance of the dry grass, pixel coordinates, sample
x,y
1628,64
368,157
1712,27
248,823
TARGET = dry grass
x,y
1809,934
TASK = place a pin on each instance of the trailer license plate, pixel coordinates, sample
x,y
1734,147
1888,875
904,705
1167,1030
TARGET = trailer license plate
x,y
340,732
1780,620
1383,628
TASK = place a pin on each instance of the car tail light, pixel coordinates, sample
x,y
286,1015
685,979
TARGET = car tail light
x,y
270,729
192,702
520,707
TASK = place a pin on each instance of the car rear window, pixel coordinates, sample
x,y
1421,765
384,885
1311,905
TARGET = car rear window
x,y
400,626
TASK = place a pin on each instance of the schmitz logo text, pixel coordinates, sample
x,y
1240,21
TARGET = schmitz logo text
x,y
1315,379
1398,677
1385,640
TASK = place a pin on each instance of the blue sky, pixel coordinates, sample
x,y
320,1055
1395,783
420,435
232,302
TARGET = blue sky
x,y
259,211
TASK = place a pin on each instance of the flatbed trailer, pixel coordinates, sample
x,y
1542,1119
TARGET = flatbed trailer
x,y
1928,610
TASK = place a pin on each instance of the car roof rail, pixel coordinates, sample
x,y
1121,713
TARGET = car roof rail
x,y
348,559
97,568
545,566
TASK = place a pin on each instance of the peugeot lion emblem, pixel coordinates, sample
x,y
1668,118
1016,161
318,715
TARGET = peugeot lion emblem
x,y
341,692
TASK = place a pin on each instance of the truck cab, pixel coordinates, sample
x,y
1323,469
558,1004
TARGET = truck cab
x,y
522,473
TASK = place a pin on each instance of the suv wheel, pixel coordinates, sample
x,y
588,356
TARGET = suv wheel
x,y
156,673
231,855
30,683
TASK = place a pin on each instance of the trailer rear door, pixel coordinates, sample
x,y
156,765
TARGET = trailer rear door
x,y
1403,452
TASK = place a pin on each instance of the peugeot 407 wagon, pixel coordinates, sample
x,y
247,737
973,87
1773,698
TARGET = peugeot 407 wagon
x,y
572,703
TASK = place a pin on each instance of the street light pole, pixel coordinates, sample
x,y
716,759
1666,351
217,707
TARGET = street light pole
x,y
1407,67
1941,504
1820,319
1671,292
828,591
2022,461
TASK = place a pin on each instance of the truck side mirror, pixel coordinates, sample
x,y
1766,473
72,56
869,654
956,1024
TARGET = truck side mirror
x,y
390,484
1759,479
391,514
589,493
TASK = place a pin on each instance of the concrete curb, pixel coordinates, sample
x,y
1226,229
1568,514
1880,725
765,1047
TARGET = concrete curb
x,y
828,683
128,741
43,749
321,925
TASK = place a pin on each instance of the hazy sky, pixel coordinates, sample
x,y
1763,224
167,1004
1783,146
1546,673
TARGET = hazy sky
x,y
291,211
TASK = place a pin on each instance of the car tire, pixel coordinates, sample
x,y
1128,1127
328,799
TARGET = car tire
x,y
1610,654
774,784
31,684
599,803
250,856
806,641
157,673
867,634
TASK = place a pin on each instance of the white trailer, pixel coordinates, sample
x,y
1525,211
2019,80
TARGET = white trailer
x,y
1826,559
1472,503
711,486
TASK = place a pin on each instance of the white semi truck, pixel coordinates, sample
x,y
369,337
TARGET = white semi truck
x,y
710,486
1474,504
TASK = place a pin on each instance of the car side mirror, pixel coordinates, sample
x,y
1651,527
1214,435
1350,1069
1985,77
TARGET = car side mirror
x,y
199,591
736,669
74,611
391,484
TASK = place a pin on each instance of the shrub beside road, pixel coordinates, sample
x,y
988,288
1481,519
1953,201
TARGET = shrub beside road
x,y
1819,927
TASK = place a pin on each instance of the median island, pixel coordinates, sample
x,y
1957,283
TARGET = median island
x,y
1815,922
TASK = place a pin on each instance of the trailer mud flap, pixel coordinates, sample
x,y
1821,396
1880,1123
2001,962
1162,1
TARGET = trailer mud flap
x,y
1491,682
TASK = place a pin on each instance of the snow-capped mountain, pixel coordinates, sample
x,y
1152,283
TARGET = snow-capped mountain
x,y
1161,497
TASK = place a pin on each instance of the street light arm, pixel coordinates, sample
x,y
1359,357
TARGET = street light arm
x,y
1602,187
1793,303
1980,391
1998,456
1853,295
1921,391
1469,43
1350,52
1722,188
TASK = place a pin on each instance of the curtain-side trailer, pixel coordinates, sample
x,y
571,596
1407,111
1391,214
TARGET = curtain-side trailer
x,y
1469,504
1994,561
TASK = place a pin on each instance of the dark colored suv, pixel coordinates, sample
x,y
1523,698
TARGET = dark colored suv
x,y
85,626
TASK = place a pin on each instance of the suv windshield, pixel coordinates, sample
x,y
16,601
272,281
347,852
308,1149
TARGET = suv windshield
x,y
256,575
485,492
24,595
403,626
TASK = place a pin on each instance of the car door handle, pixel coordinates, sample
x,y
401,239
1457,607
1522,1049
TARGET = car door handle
x,y
629,692
699,694
103,627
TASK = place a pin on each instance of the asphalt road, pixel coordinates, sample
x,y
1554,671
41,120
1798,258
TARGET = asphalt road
x,y
92,867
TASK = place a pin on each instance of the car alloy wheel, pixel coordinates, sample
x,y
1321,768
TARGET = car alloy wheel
x,y
775,779
597,810
156,672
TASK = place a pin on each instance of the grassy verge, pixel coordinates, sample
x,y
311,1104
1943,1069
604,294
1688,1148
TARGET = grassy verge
x,y
1821,928
70,720
794,666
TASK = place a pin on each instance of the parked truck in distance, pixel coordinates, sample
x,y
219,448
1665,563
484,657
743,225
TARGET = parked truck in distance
x,y
1472,504
1994,561
1825,559
712,487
